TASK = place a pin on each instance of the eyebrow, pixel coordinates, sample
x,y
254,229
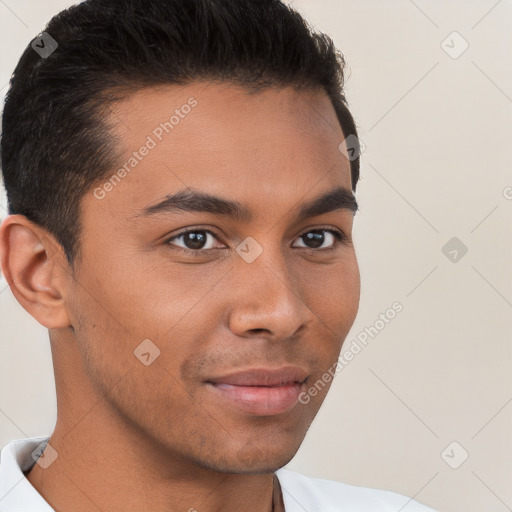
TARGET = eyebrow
x,y
190,200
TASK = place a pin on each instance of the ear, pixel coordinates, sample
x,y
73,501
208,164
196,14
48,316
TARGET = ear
x,y
35,267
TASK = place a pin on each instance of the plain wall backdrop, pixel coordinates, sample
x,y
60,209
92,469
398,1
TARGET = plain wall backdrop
x,y
425,408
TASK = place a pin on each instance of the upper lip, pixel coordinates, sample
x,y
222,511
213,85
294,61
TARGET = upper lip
x,y
263,377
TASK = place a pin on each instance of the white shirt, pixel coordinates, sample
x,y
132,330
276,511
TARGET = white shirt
x,y
300,493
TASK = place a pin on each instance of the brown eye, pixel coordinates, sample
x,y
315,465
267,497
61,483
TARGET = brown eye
x,y
315,239
199,242
194,240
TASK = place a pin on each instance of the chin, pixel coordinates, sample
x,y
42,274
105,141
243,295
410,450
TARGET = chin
x,y
247,468
266,457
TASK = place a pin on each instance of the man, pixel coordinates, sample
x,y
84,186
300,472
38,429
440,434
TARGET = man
x,y
180,221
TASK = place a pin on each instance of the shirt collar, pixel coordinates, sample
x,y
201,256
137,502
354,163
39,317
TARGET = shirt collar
x,y
16,493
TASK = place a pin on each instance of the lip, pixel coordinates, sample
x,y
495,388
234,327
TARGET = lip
x,y
261,391
263,377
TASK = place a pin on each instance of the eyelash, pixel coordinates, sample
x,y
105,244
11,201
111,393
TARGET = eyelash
x,y
340,239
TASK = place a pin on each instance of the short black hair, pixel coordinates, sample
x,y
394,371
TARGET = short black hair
x,y
55,142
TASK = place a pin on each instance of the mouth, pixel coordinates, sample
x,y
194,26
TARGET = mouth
x,y
261,391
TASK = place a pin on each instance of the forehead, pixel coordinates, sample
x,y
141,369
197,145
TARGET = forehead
x,y
277,143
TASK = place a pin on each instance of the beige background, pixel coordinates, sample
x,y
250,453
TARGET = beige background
x,y
437,164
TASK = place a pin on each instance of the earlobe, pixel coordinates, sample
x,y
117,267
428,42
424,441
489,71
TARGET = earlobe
x,y
34,270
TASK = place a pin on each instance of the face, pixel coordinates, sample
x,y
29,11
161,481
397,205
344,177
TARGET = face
x,y
172,302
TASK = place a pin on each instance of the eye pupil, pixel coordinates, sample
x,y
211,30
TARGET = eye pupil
x,y
194,240
317,237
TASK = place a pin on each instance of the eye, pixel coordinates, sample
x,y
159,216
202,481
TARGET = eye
x,y
198,242
316,239
195,240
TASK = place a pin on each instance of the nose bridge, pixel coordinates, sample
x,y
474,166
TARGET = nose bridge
x,y
268,296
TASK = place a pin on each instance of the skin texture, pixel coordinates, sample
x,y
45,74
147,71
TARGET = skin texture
x,y
132,437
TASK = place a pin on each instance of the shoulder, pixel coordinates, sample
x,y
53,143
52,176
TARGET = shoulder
x,y
318,495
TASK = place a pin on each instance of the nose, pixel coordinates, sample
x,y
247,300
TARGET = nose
x,y
267,300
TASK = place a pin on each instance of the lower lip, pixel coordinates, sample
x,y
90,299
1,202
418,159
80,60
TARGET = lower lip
x,y
261,400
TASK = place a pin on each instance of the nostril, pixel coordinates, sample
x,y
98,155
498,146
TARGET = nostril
x,y
258,331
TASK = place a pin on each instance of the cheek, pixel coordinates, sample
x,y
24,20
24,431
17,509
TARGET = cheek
x,y
333,293
102,338
335,300
351,284
144,389
143,328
